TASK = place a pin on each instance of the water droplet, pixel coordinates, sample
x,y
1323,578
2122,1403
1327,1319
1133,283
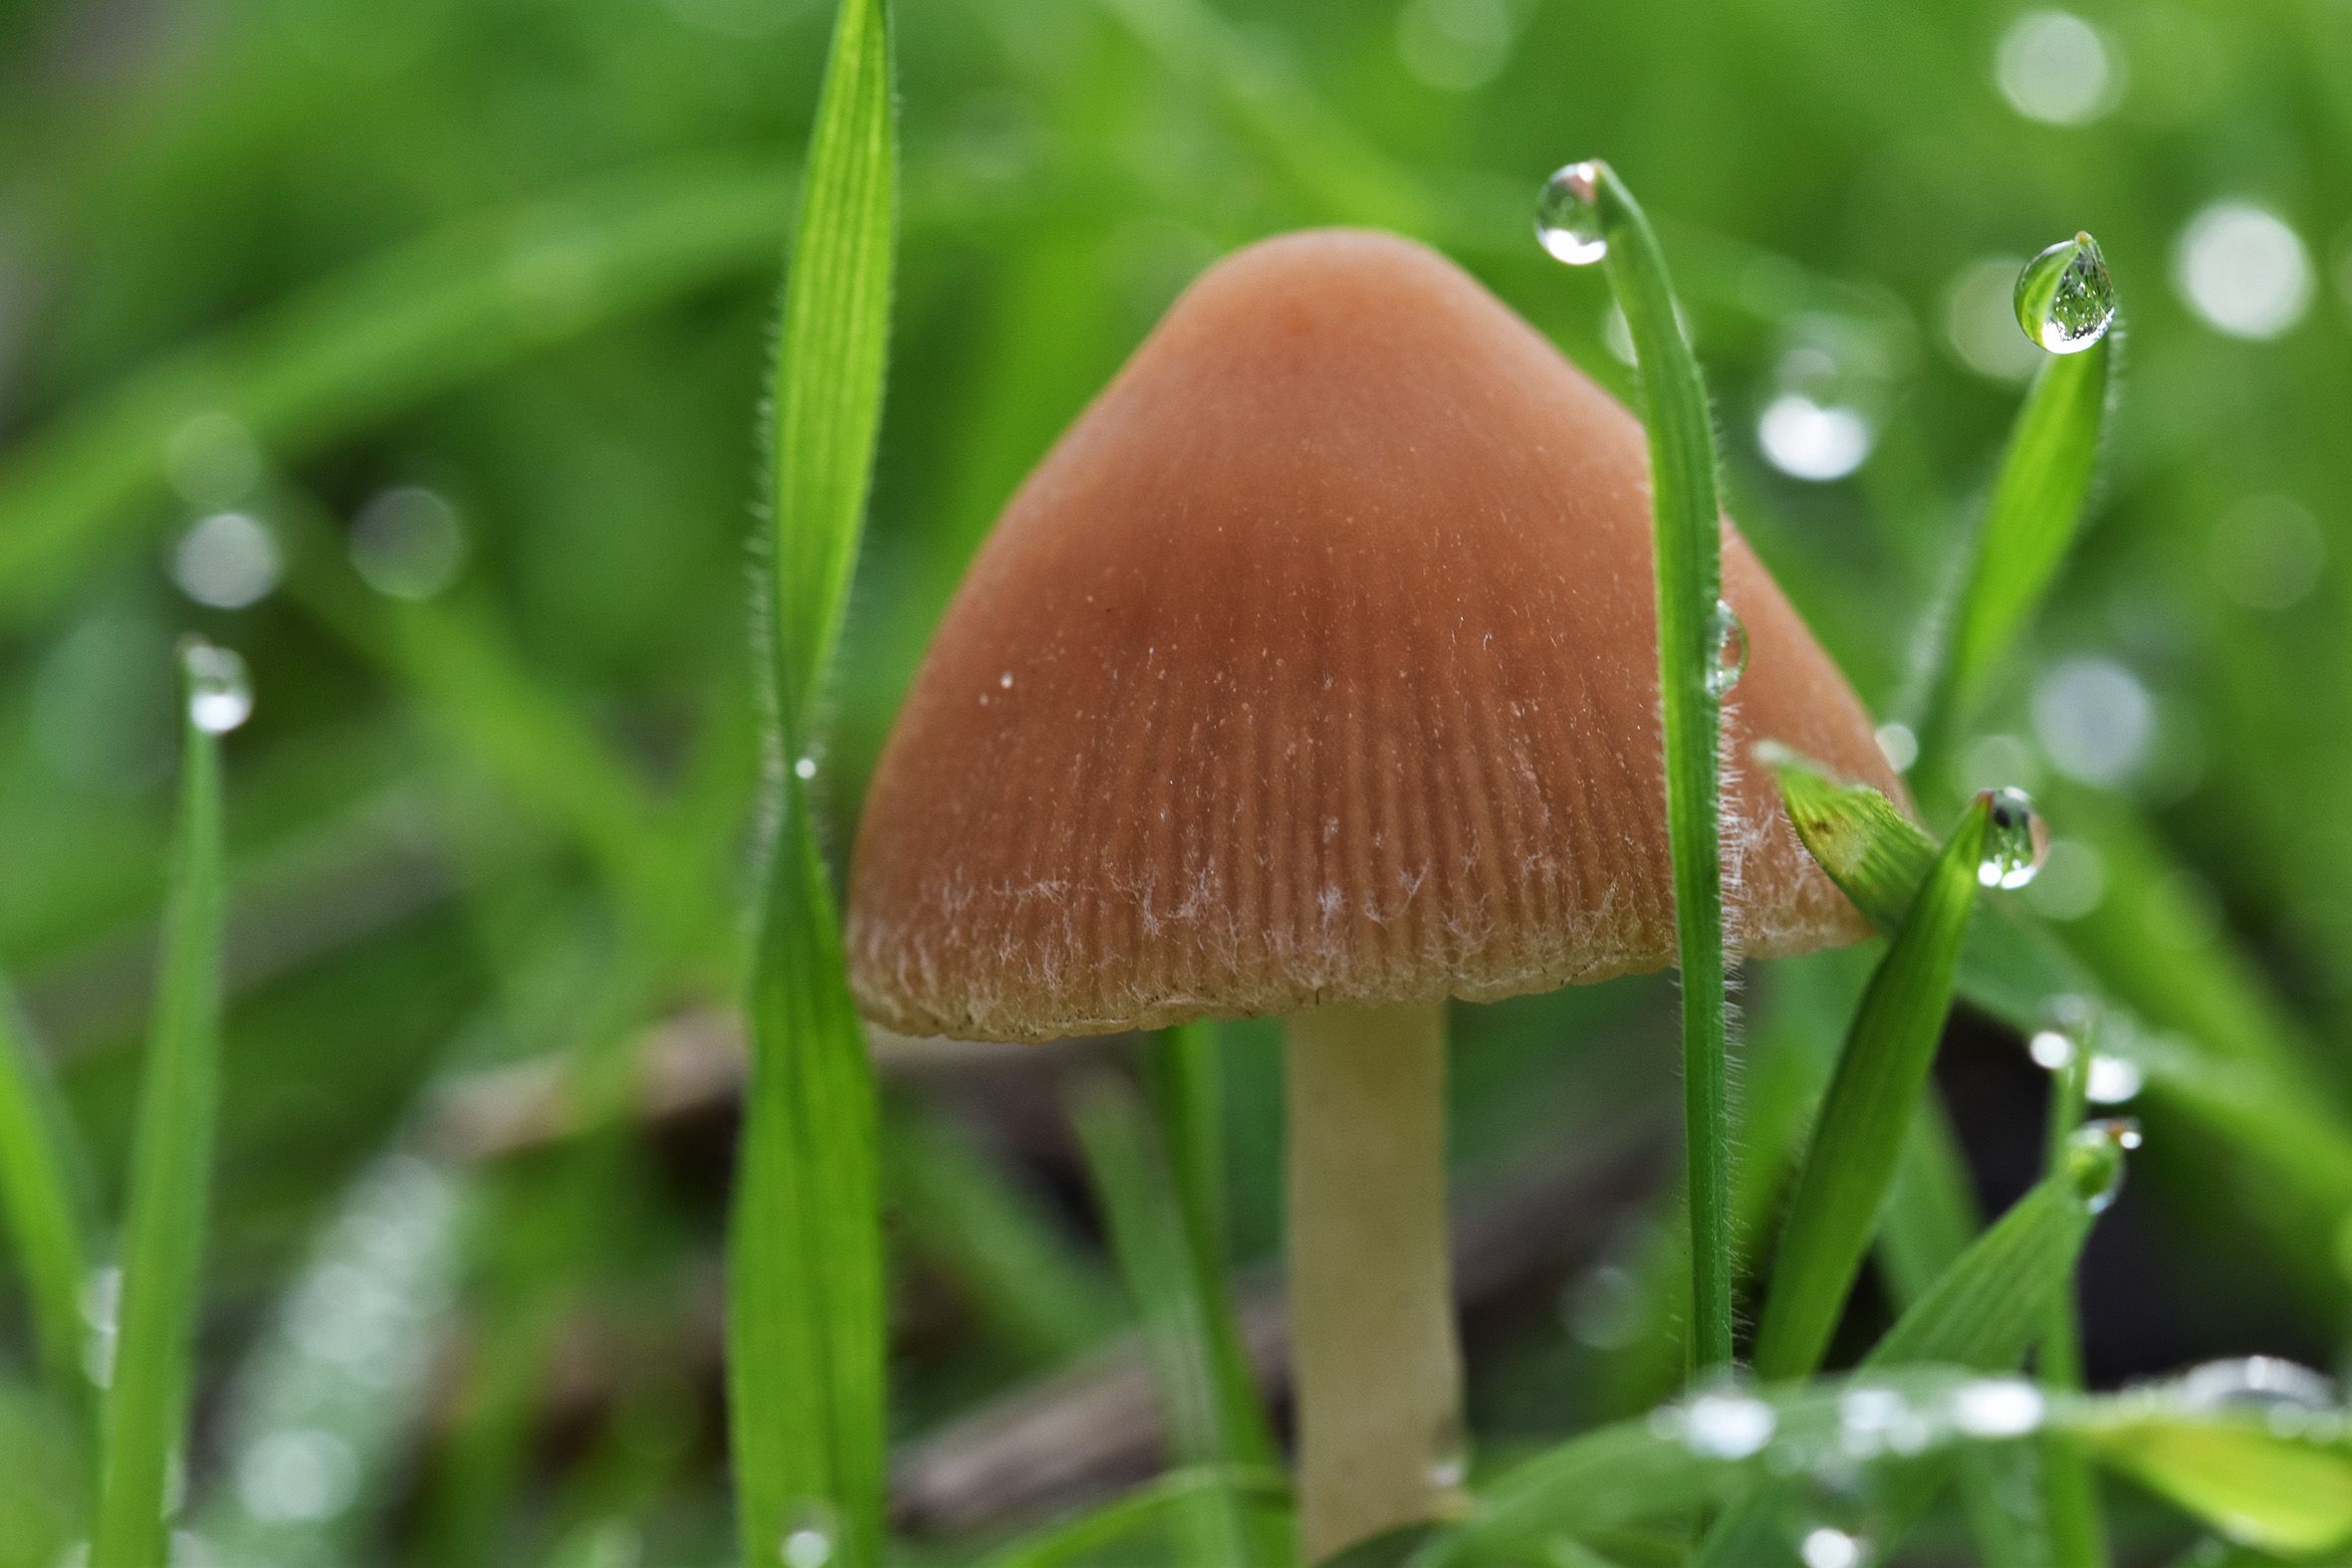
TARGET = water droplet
x,y
808,1540
2242,269
2066,1025
408,543
2016,841
1727,637
2066,300
1899,745
1450,1466
1997,1407
1727,1426
2054,66
2095,719
226,560
2257,1382
298,1474
1567,215
1604,1309
1824,1547
1806,439
806,767
2094,1160
2112,1080
1006,680
220,694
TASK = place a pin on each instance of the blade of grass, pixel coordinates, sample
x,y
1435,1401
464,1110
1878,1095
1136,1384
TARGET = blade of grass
x,y
2014,970
1086,1537
1028,1280
1183,1079
1689,533
1990,1307
146,1402
1981,1314
1880,1076
2030,521
44,1198
1148,1237
2269,1484
389,334
2070,1496
345,1374
807,1312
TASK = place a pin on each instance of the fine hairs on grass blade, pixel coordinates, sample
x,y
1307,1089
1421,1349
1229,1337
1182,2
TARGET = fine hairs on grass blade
x,y
145,1408
1607,226
807,1312
2030,523
1880,1076
43,1199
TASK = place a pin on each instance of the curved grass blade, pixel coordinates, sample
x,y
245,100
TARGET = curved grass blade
x,y
381,338
2030,523
339,1381
1873,1098
2014,970
1991,1306
1086,1538
1689,533
146,1410
2270,1485
807,1312
44,1201
2069,1496
1149,1233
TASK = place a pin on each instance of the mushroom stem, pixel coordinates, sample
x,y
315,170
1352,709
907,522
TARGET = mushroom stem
x,y
1376,1368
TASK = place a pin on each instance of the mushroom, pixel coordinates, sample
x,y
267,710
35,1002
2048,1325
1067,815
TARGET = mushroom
x,y
1314,673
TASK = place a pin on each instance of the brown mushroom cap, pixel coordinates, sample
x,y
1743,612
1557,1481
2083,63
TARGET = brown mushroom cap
x,y
1317,664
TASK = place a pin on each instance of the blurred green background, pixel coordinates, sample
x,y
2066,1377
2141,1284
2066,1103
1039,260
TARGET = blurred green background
x,y
414,353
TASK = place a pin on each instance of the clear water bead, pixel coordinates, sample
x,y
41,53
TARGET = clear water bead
x,y
1727,637
2112,1080
1567,215
2066,1029
810,1539
1996,1408
2094,1160
2016,841
220,693
2065,299
1826,1547
1728,1426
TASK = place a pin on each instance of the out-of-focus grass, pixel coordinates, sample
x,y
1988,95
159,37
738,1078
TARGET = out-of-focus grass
x,y
187,181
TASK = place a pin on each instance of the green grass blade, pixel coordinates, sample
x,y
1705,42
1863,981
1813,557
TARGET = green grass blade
x,y
44,1201
833,353
807,1312
1029,1281
342,1378
1085,1538
2034,513
1991,1305
2069,1494
1689,531
2266,1481
1873,1094
2274,1480
2014,970
1183,1078
806,1307
378,339
146,1401
1147,1235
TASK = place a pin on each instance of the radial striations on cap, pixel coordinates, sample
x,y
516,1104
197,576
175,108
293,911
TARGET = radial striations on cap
x,y
1317,664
